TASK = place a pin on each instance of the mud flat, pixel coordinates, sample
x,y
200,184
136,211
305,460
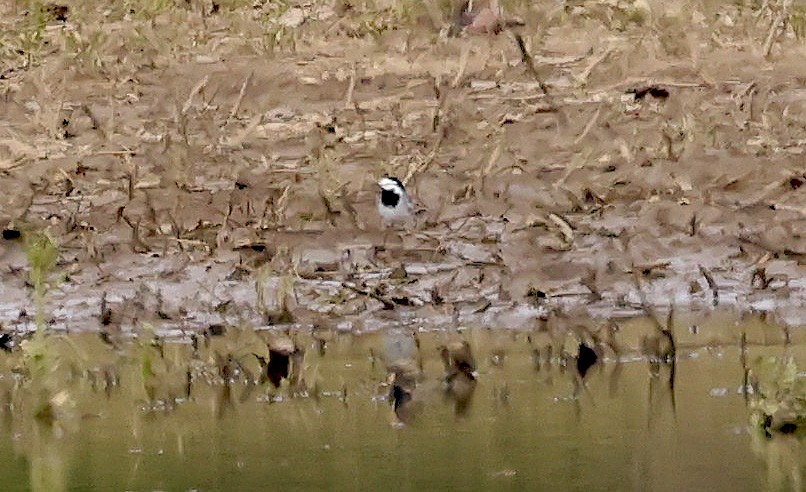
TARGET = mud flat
x,y
200,166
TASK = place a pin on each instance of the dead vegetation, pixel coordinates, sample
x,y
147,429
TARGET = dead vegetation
x,y
197,169
212,162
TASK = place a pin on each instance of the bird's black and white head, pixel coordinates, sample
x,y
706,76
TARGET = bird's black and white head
x,y
393,201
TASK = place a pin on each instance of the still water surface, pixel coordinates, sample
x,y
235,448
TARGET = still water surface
x,y
523,429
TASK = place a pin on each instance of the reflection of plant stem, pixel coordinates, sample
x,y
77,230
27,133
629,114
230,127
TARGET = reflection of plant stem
x,y
42,255
48,461
261,277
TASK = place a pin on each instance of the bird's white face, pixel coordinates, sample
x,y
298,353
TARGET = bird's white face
x,y
393,202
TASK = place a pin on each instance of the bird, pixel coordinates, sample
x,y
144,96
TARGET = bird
x,y
394,205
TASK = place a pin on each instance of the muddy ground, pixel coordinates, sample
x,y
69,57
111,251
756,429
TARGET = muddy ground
x,y
205,163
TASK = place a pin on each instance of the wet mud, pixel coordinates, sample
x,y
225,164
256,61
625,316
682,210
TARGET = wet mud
x,y
618,160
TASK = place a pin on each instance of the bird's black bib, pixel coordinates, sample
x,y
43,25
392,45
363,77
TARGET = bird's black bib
x,y
389,198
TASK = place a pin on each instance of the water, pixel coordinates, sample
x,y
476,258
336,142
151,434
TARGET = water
x,y
524,427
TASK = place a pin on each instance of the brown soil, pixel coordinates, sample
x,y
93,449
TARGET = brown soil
x,y
209,165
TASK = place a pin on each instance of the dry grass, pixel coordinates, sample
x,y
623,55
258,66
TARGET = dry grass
x,y
192,128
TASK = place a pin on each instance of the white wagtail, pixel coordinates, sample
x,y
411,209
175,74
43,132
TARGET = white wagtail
x,y
393,201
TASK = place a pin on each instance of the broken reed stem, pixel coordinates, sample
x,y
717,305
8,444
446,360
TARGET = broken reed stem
x,y
773,34
583,77
136,244
387,304
96,123
711,283
235,107
493,159
552,107
645,306
438,126
348,98
530,64
588,126
132,174
670,318
463,59
115,152
193,92
439,95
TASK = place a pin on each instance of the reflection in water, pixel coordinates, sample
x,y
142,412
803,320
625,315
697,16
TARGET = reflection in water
x,y
404,367
232,426
403,383
783,457
586,358
49,458
459,380
224,401
661,389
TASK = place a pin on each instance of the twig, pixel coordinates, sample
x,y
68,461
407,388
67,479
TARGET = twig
x,y
767,246
645,306
494,156
589,282
499,97
348,98
648,81
670,318
115,152
463,58
440,96
565,228
589,126
137,245
530,65
773,34
711,283
193,92
582,78
96,123
438,125
387,304
693,225
234,111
